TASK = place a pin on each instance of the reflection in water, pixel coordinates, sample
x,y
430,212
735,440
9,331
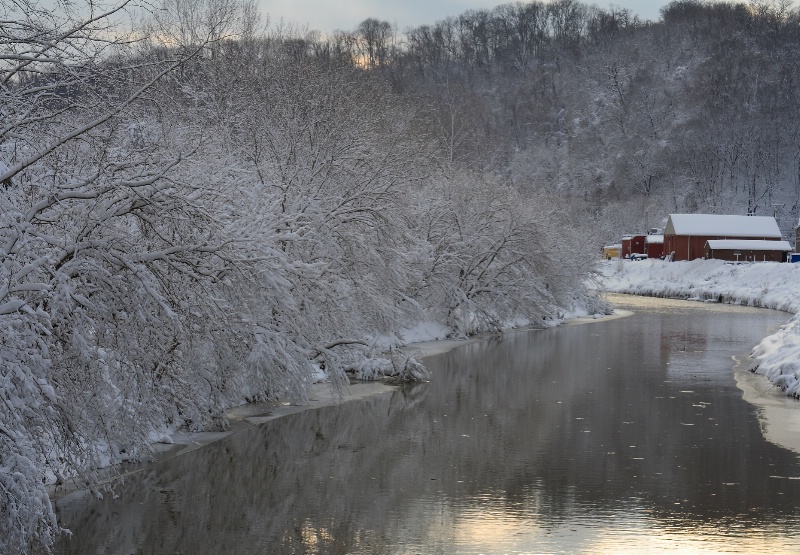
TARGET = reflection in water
x,y
620,436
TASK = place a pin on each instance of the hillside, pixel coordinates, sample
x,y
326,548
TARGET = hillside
x,y
626,121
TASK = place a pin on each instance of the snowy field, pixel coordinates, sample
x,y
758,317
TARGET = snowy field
x,y
764,284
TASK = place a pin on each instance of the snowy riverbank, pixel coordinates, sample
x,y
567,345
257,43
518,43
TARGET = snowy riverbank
x,y
766,285
423,341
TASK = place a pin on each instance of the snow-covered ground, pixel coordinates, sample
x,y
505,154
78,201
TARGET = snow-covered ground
x,y
763,284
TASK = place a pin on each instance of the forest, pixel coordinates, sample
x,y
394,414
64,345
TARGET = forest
x,y
200,209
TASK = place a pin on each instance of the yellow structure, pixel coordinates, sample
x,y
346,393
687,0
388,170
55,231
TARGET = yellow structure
x,y
611,251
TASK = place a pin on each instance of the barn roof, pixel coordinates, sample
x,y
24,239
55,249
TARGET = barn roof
x,y
654,239
748,245
722,225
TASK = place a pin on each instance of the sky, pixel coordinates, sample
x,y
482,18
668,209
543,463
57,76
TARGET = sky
x,y
328,15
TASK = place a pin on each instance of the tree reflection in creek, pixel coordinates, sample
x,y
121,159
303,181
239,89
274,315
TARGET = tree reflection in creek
x,y
617,436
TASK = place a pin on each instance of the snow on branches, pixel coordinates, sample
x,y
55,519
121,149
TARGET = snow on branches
x,y
185,228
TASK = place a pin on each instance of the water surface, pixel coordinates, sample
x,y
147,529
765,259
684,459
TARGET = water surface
x,y
620,436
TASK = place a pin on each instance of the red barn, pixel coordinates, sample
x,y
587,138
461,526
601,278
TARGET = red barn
x,y
637,244
685,235
632,244
625,251
747,250
654,246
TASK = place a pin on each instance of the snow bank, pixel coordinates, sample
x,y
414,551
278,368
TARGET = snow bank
x,y
763,284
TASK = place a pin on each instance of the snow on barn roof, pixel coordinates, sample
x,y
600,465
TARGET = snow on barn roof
x,y
748,245
722,225
654,239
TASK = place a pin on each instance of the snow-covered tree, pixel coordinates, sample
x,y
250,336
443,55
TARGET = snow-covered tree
x,y
203,216
115,275
489,259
